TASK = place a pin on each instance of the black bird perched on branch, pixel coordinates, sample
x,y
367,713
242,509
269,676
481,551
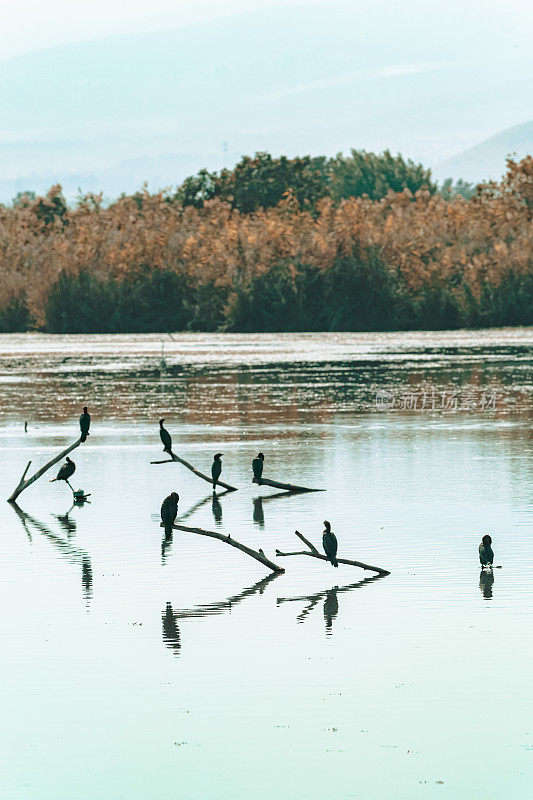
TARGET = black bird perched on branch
x,y
166,438
66,472
169,512
85,423
257,466
329,542
216,469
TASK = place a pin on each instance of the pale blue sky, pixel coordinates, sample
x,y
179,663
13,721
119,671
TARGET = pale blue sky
x,y
27,25
110,92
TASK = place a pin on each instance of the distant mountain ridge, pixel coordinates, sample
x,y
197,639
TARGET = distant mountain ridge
x,y
487,160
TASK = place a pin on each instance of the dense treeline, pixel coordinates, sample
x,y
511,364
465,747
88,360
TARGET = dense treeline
x,y
415,258
262,181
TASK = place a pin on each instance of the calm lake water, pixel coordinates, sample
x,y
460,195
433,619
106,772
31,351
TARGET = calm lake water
x,y
132,672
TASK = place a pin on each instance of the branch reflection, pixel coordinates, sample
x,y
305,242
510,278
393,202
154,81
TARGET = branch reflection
x,y
74,555
171,633
331,601
258,515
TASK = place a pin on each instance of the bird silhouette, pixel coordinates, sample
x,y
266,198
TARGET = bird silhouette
x,y
486,553
66,472
169,512
257,467
85,424
329,542
216,469
165,438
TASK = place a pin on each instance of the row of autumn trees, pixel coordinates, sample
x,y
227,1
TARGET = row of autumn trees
x,y
360,243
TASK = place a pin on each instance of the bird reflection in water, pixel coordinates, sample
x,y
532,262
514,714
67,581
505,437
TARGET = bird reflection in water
x,y
87,579
331,602
486,579
215,506
259,514
216,509
165,545
331,608
74,555
67,523
171,632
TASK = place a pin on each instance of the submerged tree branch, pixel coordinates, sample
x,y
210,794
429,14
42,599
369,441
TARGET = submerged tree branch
x,y
289,487
176,458
259,556
314,553
23,484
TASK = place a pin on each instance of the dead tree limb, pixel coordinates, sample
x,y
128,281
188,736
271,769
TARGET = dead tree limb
x,y
179,460
289,487
314,553
23,484
259,556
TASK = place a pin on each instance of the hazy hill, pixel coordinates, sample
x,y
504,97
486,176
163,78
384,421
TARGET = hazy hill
x,y
307,79
487,159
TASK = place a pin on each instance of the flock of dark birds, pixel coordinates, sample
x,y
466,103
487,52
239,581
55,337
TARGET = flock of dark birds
x,y
169,507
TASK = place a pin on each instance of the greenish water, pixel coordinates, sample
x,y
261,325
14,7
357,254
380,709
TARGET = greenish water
x,y
128,672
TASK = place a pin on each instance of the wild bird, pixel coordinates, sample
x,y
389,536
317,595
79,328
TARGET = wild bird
x,y
257,467
486,553
216,469
85,424
166,438
329,543
66,472
169,512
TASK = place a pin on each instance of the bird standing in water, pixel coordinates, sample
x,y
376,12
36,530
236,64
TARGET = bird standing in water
x,y
169,512
216,469
85,424
486,554
329,543
165,438
257,466
66,472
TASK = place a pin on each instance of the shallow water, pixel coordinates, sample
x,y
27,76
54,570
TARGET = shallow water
x,y
129,672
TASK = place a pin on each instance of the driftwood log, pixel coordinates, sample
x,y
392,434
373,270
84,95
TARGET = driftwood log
x,y
177,459
23,484
314,553
258,556
289,487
